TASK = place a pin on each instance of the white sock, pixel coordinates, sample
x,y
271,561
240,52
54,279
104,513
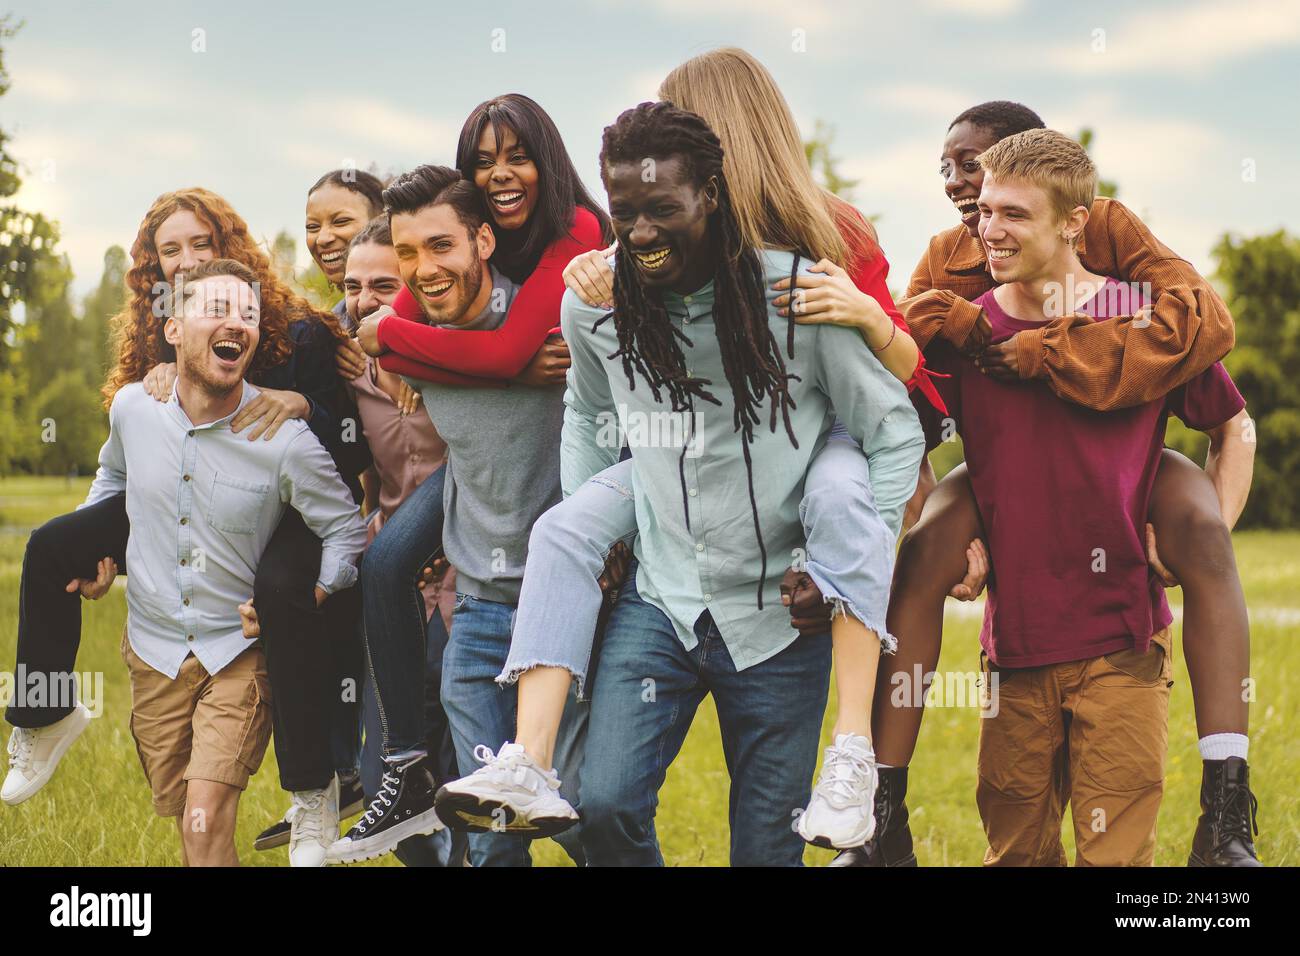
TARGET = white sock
x,y
1223,746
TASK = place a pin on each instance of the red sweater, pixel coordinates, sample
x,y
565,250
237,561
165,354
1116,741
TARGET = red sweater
x,y
487,358
870,277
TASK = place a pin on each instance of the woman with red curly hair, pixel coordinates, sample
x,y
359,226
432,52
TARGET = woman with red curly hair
x,y
294,368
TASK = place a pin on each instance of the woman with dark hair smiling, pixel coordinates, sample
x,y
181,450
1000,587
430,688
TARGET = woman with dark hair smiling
x,y
339,205
541,216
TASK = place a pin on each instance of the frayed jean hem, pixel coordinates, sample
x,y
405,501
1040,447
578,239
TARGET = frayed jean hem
x,y
843,606
513,672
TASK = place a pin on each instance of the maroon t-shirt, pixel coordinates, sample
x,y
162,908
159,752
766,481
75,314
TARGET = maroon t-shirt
x,y
1063,493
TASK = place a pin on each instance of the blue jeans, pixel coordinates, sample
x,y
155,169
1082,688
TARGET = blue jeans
x,y
850,555
483,712
560,600
850,546
394,612
647,689
446,847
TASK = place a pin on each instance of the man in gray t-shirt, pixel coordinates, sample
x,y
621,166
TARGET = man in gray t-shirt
x,y
502,473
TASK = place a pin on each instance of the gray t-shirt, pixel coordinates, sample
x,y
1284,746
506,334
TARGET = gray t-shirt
x,y
503,467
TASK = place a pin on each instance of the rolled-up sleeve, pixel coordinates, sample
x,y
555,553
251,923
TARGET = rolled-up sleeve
x,y
877,412
311,484
589,442
110,477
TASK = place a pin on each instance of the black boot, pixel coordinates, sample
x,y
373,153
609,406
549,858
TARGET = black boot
x,y
1224,833
892,844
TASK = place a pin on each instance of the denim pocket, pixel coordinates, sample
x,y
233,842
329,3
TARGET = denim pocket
x,y
236,504
462,599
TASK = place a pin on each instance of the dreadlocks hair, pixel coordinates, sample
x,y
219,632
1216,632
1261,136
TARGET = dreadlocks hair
x,y
650,345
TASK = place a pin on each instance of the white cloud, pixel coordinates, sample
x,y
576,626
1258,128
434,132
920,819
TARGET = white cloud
x,y
805,13
1192,39
375,121
939,101
984,9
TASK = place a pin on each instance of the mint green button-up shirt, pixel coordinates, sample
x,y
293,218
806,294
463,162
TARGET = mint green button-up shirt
x,y
714,562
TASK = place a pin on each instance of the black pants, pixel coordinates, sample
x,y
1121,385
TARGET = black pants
x,y
313,656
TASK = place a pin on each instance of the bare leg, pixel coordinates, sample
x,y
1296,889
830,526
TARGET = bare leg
x,y
857,658
542,693
931,561
1195,544
208,824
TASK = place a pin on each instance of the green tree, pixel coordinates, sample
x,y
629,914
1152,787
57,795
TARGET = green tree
x,y
1260,278
67,424
26,238
312,282
1105,187
98,310
824,163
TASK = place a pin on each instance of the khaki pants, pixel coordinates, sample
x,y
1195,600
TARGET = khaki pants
x,y
199,726
1091,733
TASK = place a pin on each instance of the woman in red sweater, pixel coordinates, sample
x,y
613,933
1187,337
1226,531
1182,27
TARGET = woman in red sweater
x,y
542,216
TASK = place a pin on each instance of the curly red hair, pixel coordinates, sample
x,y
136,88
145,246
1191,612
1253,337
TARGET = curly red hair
x,y
138,333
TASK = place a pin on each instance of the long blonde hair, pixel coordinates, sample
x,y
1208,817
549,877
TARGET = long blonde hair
x,y
777,202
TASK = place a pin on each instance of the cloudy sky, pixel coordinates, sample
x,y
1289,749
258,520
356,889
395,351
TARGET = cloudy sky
x,y
1193,103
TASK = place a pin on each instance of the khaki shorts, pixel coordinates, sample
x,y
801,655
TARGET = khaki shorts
x,y
1090,733
199,726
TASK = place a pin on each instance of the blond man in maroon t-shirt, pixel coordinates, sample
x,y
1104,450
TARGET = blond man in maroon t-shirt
x,y
1076,634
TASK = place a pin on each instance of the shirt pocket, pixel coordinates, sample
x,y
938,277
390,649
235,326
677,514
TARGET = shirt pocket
x,y
236,503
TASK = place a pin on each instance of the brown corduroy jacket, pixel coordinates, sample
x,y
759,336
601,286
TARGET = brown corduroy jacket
x,y
1096,364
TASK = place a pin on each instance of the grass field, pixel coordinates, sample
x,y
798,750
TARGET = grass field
x,y
96,810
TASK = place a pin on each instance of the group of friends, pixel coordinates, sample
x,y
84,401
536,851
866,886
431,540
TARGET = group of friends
x,y
473,546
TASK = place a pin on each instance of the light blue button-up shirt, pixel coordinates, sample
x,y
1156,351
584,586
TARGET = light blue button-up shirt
x,y
714,562
203,503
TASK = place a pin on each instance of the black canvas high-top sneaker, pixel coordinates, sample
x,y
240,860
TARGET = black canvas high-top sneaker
x,y
403,807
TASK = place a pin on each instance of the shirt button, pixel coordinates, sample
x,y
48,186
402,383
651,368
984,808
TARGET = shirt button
x,y
186,602
888,418
189,637
182,562
185,477
191,432
185,521
687,300
698,547
708,597
693,492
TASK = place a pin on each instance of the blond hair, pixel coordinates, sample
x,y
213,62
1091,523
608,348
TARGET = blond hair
x,y
777,202
1049,160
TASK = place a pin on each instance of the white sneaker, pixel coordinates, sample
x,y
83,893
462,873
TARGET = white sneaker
x,y
34,754
841,813
509,793
314,824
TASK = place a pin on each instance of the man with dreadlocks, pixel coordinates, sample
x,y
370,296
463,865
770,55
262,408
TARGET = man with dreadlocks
x,y
701,615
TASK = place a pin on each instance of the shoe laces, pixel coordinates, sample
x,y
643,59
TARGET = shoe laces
x,y
307,815
843,773
21,744
1236,814
383,799
515,768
